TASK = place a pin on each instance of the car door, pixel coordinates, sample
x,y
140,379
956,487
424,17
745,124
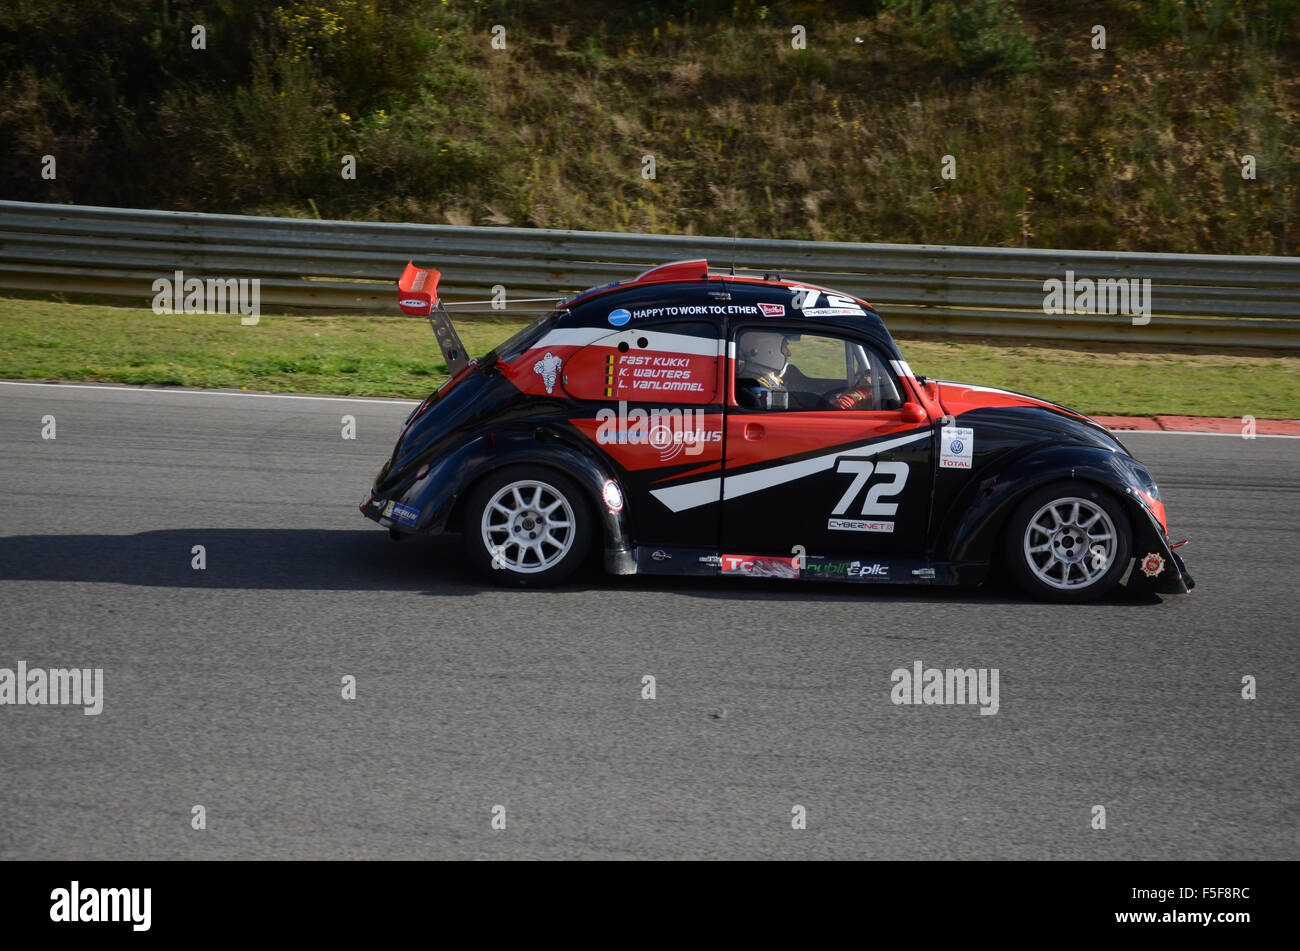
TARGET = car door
x,y
824,454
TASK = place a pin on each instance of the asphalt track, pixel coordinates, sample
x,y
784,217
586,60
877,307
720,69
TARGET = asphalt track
x,y
222,686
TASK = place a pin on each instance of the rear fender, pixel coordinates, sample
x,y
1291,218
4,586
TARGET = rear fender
x,y
441,494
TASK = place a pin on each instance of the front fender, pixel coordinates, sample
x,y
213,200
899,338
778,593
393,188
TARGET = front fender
x,y
972,527
1156,567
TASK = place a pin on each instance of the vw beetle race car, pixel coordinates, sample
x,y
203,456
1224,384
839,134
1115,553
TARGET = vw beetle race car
x,y
691,423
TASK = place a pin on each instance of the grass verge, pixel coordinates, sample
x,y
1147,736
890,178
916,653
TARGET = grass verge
x,y
395,356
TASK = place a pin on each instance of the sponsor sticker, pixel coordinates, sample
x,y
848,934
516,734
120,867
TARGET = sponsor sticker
x,y
858,570
760,566
807,299
612,495
617,318
1153,564
412,302
402,513
772,310
547,368
847,569
833,312
858,525
956,447
825,569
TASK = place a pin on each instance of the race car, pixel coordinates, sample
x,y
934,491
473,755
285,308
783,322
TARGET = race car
x,y
688,422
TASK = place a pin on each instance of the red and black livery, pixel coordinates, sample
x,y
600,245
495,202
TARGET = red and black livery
x,y
696,423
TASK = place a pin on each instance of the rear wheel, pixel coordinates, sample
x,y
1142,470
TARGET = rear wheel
x,y
527,525
1069,541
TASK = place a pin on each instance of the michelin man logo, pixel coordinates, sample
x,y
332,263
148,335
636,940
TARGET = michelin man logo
x,y
546,368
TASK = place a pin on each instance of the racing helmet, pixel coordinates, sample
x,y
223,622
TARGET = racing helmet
x,y
762,357
763,360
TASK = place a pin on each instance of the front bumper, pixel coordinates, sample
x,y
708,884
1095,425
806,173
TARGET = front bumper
x,y
390,513
1156,567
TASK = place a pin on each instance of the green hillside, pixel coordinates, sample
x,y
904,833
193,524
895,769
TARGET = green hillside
x,y
1053,143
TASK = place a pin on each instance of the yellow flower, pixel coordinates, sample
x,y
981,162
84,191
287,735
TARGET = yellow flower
x,y
345,117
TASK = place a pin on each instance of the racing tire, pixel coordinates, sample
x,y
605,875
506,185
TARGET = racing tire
x,y
1069,541
527,525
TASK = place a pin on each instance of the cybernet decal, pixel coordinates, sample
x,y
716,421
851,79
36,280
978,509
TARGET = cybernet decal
x,y
858,525
817,303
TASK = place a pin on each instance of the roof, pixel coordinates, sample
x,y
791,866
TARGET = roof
x,y
697,272
676,272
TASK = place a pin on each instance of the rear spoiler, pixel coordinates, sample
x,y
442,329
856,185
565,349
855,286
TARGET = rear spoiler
x,y
417,294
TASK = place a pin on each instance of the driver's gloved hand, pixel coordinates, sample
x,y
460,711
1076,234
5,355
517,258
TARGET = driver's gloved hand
x,y
850,399
857,396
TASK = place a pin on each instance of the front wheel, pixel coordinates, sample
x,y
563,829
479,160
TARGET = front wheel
x,y
1069,541
527,525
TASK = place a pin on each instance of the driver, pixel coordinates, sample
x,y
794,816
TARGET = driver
x,y
764,359
768,374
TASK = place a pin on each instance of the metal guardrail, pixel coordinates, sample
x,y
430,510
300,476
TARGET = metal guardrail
x,y
1224,301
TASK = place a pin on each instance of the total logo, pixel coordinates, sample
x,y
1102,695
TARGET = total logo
x,y
858,570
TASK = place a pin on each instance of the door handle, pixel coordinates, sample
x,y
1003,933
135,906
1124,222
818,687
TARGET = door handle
x,y
754,431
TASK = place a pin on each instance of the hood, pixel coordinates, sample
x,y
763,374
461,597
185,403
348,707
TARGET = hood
x,y
958,399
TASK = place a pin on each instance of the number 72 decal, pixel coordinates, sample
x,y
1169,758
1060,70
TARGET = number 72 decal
x,y
863,469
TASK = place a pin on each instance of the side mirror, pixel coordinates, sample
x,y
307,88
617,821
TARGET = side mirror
x,y
912,413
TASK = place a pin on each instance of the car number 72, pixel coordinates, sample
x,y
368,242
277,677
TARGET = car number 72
x,y
872,504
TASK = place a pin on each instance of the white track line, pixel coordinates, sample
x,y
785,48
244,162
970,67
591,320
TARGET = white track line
x,y
264,396
381,402
1194,432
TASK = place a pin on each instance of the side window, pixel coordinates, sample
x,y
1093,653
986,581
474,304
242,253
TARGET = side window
x,y
786,370
672,362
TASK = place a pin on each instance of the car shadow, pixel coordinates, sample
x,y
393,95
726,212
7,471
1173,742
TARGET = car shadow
x,y
821,592
368,560
243,558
